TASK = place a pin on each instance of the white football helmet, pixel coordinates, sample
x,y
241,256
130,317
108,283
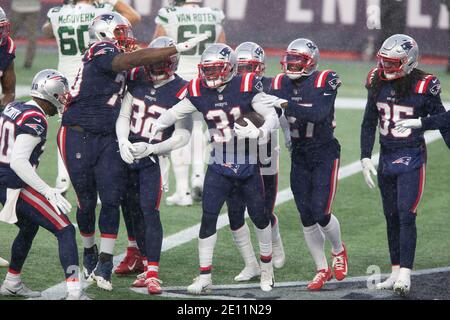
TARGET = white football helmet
x,y
301,58
163,70
112,27
52,86
250,58
397,57
218,65
5,26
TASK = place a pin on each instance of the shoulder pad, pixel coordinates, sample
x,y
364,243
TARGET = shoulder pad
x,y
133,73
428,85
182,92
32,121
276,81
55,9
101,48
162,16
250,81
371,76
194,87
327,77
11,46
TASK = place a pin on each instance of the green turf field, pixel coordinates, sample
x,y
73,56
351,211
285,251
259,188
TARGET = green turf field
x,y
357,207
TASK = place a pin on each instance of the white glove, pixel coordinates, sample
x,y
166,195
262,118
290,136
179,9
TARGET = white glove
x,y
403,125
288,145
263,100
154,130
249,131
59,203
368,169
142,150
126,149
191,43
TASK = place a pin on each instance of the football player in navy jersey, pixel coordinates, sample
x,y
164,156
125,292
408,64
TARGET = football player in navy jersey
x,y
7,55
27,200
251,58
87,138
222,98
398,90
152,91
307,97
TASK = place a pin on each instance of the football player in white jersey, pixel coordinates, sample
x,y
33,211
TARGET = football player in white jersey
x,y
68,24
182,20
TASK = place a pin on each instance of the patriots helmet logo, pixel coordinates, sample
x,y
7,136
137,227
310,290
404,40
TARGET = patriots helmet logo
x,y
403,160
225,52
407,46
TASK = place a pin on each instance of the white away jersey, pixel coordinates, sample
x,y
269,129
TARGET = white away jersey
x,y
70,25
183,23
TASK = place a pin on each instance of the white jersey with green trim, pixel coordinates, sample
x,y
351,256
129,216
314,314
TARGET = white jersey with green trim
x,y
184,22
70,24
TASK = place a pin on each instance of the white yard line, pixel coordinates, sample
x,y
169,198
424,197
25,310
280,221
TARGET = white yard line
x,y
182,237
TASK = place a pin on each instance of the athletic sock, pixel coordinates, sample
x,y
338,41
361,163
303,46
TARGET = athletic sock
x,y
107,243
315,240
152,270
206,251
243,242
332,232
88,240
13,276
265,243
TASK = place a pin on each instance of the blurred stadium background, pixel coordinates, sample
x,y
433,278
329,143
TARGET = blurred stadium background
x,y
346,32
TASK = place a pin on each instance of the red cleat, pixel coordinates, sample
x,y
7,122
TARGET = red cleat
x,y
140,281
340,264
319,280
153,285
132,263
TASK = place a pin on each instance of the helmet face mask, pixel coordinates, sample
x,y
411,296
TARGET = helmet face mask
x,y
124,37
51,85
112,27
218,65
246,66
251,58
397,57
300,59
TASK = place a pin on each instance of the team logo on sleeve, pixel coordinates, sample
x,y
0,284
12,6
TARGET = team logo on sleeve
x,y
259,86
104,51
335,83
435,89
36,127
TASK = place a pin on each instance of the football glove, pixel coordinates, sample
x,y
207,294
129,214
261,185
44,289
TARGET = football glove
x,y
368,169
142,150
191,43
154,130
403,125
59,203
249,131
126,148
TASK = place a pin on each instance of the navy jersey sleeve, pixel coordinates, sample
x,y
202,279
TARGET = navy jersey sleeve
x,y
368,127
435,108
32,122
7,54
325,95
102,55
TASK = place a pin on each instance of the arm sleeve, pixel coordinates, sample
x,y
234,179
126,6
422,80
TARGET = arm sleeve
x,y
437,111
123,121
436,121
284,124
20,161
103,54
179,111
270,119
180,137
368,128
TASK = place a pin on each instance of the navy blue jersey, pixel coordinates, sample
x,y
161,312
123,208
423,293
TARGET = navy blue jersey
x,y
384,108
221,109
310,110
267,83
150,102
7,54
436,122
19,118
96,95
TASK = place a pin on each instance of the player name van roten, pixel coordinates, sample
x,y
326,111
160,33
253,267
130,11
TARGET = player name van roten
x,y
196,17
79,18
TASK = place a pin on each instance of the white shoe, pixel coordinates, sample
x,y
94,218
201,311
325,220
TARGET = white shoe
x,y
178,200
197,187
267,277
278,256
248,273
201,284
3,262
401,287
102,283
63,183
387,284
77,295
17,289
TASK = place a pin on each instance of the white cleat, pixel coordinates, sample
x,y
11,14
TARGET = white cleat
x,y
202,284
87,277
17,289
267,277
248,273
278,255
387,284
102,283
197,187
402,287
178,200
78,295
3,263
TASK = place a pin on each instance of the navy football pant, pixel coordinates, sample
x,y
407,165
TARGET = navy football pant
x,y
127,218
236,203
33,210
314,184
218,188
143,196
401,195
95,166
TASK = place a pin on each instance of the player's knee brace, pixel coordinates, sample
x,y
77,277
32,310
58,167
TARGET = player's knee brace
x,y
208,225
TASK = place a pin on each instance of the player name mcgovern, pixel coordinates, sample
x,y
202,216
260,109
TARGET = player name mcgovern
x,y
203,311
